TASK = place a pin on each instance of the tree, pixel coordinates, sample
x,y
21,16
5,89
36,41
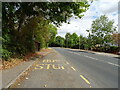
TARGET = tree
x,y
53,32
20,12
101,31
59,41
18,28
73,39
42,31
67,40
83,42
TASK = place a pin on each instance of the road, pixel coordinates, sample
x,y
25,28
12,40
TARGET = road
x,y
102,71
66,68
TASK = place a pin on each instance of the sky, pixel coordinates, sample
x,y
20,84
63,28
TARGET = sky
x,y
96,9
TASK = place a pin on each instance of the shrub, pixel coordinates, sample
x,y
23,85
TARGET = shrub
x,y
6,54
113,49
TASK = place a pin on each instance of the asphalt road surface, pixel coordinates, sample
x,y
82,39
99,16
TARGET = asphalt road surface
x,y
65,68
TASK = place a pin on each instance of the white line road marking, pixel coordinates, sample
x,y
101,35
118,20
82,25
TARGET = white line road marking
x,y
92,58
102,61
113,64
77,53
96,59
70,52
74,53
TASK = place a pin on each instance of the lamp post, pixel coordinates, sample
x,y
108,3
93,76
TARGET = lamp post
x,y
79,42
79,39
67,42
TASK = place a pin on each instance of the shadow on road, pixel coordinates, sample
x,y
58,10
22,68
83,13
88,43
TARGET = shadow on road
x,y
117,57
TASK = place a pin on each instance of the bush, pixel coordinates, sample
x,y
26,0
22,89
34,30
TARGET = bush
x,y
113,49
6,54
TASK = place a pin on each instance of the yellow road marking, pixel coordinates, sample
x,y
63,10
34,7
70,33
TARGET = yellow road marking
x,y
36,68
67,63
62,67
39,66
54,60
84,79
55,67
73,68
50,60
48,66
47,60
44,60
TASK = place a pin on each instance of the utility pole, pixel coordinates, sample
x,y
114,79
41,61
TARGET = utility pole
x,y
62,43
67,42
79,39
79,42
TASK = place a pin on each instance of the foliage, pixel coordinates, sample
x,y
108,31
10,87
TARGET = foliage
x,y
6,54
53,32
24,21
102,37
67,40
113,49
101,31
42,31
19,13
73,40
59,41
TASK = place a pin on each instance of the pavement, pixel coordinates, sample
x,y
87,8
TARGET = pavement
x,y
9,76
66,68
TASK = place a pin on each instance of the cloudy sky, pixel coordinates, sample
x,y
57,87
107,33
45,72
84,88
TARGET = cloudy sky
x,y
96,9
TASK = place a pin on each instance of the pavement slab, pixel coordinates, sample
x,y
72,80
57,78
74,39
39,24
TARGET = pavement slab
x,y
10,74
